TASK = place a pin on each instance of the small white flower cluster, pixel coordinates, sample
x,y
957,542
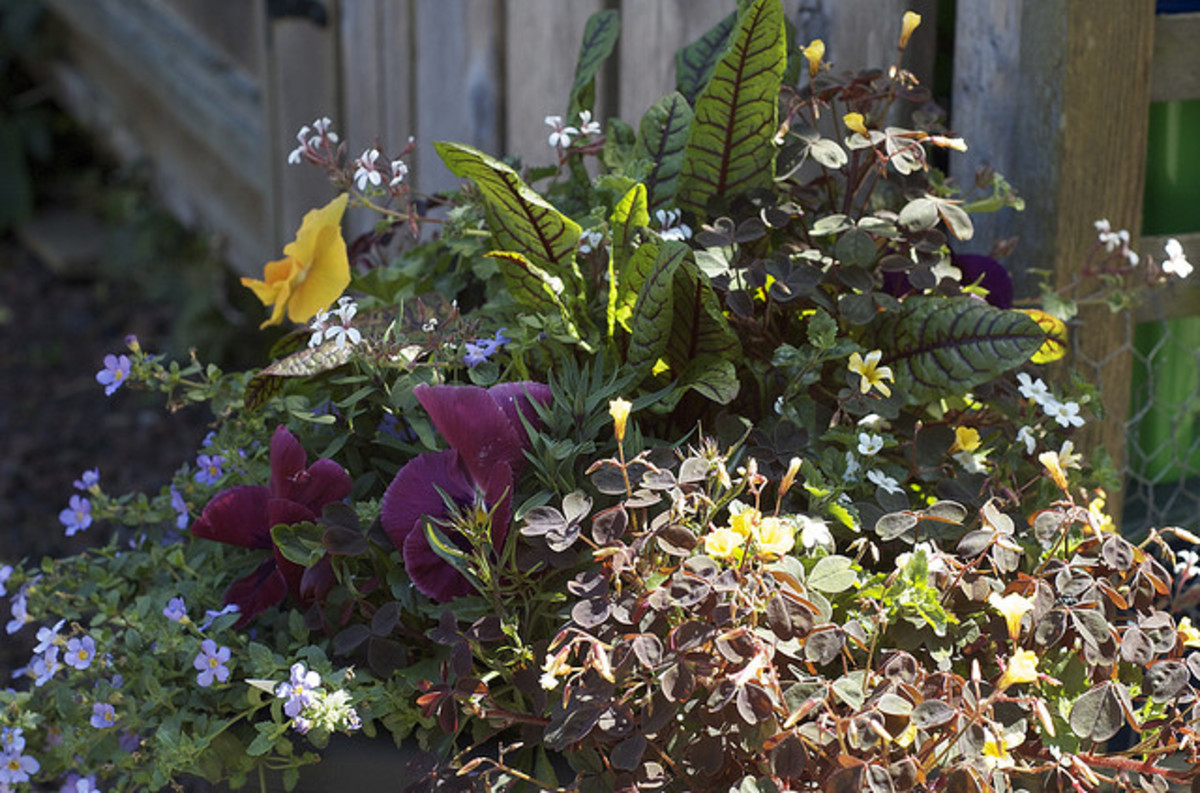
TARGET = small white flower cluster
x,y
311,139
1066,413
311,706
366,172
325,329
1175,263
560,137
591,240
670,227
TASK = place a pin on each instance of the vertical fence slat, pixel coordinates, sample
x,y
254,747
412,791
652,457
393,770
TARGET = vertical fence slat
x,y
457,87
301,85
541,48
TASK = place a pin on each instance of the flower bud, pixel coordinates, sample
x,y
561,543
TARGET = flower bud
x,y
854,122
619,410
813,53
910,22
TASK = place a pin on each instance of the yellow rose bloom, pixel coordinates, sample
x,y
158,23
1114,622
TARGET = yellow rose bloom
x,y
1022,668
1013,607
315,269
774,538
722,543
814,52
910,22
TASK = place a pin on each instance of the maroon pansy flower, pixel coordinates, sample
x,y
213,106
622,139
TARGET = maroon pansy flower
x,y
487,452
244,516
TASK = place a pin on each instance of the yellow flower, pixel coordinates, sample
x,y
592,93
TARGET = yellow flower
x,y
1013,607
966,439
722,543
1022,668
1055,345
774,538
743,523
854,122
995,751
872,374
910,22
619,410
1100,519
1188,632
315,269
814,52
1054,467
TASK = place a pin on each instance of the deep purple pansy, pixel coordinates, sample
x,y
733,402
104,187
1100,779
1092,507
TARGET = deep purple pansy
x,y
487,452
976,269
244,516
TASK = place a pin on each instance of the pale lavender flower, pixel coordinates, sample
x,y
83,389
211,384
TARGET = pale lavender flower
x,y
89,479
80,652
20,614
181,509
77,516
210,468
104,716
176,610
114,374
6,572
298,690
210,662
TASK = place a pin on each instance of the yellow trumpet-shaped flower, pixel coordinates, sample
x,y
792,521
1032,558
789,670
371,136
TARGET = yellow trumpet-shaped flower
x,y
619,410
313,272
907,25
856,123
813,53
723,543
873,375
1022,668
966,439
774,538
1054,466
1013,607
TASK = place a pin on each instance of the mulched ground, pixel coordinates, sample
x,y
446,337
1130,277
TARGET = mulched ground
x,y
55,420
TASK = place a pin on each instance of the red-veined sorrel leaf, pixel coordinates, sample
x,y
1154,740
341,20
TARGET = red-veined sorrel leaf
x,y
599,41
940,346
662,136
695,62
730,148
628,215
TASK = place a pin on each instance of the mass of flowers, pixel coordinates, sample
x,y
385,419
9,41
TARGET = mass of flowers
x,y
705,458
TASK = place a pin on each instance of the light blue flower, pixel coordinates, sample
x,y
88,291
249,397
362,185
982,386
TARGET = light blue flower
x,y
181,509
89,479
176,610
210,662
103,716
6,572
114,374
77,516
210,468
80,652
298,691
48,637
210,616
16,767
20,613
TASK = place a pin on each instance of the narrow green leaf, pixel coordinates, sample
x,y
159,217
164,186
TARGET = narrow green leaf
x,y
650,324
695,62
599,40
662,136
941,346
730,144
520,219
630,214
698,327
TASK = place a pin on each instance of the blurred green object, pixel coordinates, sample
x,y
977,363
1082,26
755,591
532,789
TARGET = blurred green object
x,y
1166,373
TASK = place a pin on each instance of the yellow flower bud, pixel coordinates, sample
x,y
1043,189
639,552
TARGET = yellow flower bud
x,y
789,477
910,22
1054,467
814,52
854,122
619,410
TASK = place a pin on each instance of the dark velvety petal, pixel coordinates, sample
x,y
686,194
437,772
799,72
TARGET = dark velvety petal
x,y
288,459
323,483
475,425
990,274
281,510
257,592
515,397
429,572
291,572
413,492
237,516
317,581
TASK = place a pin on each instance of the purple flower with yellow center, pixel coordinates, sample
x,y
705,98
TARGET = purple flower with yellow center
x,y
487,452
104,716
79,652
114,374
16,767
210,662
298,690
77,516
89,479
244,515
210,468
176,610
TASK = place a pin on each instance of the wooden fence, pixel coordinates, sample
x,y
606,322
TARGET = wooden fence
x,y
1054,94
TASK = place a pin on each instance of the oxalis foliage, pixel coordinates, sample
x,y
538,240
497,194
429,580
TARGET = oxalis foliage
x,y
697,460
